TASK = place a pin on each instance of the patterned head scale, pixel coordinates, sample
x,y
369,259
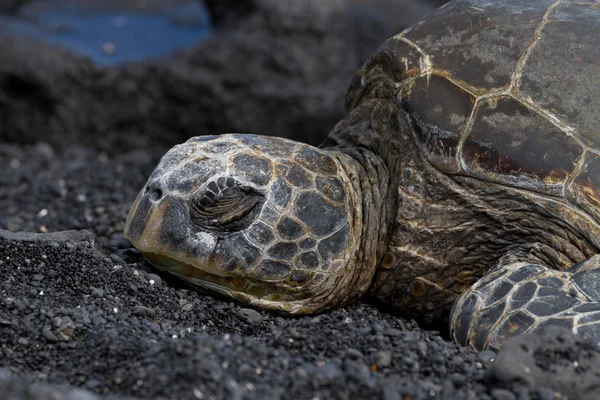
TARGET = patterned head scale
x,y
267,221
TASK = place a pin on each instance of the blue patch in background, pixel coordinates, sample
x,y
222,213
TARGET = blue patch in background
x,y
110,38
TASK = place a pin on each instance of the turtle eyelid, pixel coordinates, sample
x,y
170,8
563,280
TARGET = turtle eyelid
x,y
229,208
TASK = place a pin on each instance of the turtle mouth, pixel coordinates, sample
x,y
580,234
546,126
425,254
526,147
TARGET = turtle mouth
x,y
193,274
244,290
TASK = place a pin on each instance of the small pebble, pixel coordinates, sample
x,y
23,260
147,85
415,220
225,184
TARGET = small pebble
x,y
249,315
353,353
393,332
142,311
79,394
109,48
187,307
48,335
546,394
458,380
44,149
486,356
457,361
116,259
422,346
330,372
502,394
235,392
391,389
154,279
383,358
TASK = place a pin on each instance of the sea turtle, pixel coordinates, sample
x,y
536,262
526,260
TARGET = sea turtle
x,y
463,185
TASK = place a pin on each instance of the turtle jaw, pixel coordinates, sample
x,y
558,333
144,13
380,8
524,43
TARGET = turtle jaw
x,y
243,290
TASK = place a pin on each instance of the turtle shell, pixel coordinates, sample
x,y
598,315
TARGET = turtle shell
x,y
506,91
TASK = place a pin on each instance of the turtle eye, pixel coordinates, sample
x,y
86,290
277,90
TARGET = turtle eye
x,y
225,206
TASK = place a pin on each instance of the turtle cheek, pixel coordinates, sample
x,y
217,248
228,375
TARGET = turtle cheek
x,y
235,255
201,247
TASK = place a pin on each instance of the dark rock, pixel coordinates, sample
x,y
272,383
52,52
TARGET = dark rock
x,y
282,68
391,388
502,394
547,394
249,315
486,356
17,388
383,358
116,259
143,311
354,353
154,279
52,238
553,358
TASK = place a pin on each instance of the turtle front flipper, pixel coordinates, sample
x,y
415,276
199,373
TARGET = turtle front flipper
x,y
522,297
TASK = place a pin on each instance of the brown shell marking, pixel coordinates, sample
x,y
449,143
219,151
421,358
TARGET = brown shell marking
x,y
478,42
437,99
513,145
507,91
585,188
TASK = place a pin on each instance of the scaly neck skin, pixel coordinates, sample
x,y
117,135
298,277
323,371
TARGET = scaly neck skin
x,y
364,141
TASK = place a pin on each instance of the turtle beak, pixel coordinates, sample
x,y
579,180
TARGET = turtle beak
x,y
138,215
157,222
158,225
143,222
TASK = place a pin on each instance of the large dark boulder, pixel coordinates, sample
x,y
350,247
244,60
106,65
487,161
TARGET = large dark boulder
x,y
553,358
274,67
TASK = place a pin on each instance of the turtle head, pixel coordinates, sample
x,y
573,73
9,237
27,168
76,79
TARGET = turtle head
x,y
266,221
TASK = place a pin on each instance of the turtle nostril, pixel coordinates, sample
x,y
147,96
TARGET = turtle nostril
x,y
155,193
